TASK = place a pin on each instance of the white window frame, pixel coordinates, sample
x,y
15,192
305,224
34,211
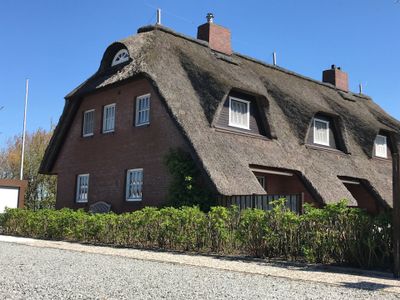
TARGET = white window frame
x,y
325,143
84,123
138,111
121,57
261,180
104,117
231,123
384,153
138,198
78,198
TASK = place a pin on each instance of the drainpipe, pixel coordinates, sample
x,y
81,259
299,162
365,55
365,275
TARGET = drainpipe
x,y
396,208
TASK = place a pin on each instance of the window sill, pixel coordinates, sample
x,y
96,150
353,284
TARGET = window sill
x,y
133,200
377,158
88,136
237,127
108,132
81,202
325,148
239,132
142,125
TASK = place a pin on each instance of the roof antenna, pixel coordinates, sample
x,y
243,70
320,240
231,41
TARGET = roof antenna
x,y
158,16
274,58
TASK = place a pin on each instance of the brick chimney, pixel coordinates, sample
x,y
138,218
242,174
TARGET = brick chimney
x,y
336,77
218,37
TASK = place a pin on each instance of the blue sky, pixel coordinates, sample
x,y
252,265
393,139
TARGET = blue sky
x,y
58,44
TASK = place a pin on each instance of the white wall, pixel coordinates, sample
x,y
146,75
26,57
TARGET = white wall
x,y
8,198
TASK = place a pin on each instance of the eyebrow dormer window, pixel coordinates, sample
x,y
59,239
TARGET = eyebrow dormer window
x,y
121,57
381,146
239,113
321,132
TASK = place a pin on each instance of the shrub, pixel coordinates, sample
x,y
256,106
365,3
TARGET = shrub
x,y
334,234
186,188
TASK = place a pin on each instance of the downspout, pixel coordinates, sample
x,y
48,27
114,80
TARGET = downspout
x,y
396,207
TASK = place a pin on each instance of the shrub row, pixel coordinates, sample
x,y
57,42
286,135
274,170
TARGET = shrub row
x,y
334,234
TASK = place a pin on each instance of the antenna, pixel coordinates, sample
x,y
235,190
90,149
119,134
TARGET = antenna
x,y
21,173
158,16
274,58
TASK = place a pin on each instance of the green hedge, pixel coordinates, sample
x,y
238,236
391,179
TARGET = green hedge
x,y
334,234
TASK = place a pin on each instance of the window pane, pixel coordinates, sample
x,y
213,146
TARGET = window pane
x,y
381,146
142,110
134,184
321,132
109,118
88,123
239,113
82,188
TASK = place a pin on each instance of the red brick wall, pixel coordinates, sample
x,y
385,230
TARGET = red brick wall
x,y
279,184
364,199
106,157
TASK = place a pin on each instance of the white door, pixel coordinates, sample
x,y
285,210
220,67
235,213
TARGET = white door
x,y
8,198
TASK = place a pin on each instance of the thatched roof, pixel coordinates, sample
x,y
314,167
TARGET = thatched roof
x,y
193,81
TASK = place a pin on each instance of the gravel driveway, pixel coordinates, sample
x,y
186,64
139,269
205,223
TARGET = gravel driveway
x,y
41,273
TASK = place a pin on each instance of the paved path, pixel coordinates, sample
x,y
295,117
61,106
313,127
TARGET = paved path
x,y
34,269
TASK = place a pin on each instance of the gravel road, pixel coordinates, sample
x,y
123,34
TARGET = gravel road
x,y
28,272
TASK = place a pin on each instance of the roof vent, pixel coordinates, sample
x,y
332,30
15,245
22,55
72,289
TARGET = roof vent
x,y
218,37
210,18
337,77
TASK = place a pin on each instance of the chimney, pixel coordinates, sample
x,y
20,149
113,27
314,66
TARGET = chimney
x,y
336,77
218,37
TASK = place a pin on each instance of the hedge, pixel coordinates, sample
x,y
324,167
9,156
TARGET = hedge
x,y
334,234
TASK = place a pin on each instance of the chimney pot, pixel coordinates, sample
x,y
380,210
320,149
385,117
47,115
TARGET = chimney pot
x,y
218,37
210,18
337,77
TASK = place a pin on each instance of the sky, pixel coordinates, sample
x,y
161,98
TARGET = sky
x,y
59,44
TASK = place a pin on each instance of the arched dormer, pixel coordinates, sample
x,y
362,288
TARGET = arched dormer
x,y
120,57
325,131
115,55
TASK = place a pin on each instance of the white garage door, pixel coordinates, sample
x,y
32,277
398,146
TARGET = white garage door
x,y
8,198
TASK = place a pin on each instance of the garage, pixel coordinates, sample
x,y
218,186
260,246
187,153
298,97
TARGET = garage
x,y
12,193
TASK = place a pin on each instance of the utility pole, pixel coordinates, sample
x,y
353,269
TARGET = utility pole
x,y
396,208
21,172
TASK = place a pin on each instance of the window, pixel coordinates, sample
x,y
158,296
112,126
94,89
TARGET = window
x,y
321,132
82,188
261,180
134,184
121,57
381,146
142,110
109,118
239,113
88,123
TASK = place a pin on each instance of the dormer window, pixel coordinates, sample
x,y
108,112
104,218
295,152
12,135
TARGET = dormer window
x,y
239,113
121,57
325,132
381,146
321,132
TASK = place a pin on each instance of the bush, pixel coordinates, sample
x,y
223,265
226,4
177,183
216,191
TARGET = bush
x,y
335,234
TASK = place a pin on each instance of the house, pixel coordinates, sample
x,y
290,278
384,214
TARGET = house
x,y
252,128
